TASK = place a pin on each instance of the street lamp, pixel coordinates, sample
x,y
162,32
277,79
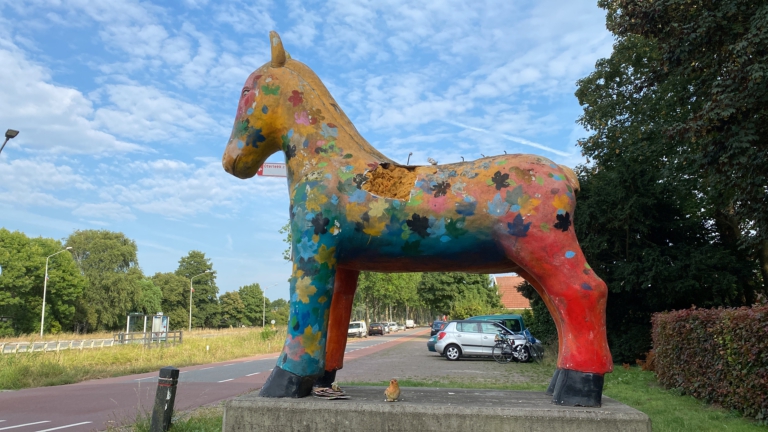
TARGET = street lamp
x,y
10,133
190,297
264,305
45,281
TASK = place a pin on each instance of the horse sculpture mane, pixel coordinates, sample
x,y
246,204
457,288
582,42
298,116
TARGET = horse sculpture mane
x,y
354,209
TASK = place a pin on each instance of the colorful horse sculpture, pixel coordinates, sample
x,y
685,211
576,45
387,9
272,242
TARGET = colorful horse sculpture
x,y
353,209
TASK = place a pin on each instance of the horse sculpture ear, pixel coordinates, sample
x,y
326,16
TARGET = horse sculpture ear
x,y
278,53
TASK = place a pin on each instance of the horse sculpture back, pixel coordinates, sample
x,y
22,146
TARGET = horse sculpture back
x,y
353,209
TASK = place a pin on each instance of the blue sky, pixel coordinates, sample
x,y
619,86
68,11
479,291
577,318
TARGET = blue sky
x,y
124,107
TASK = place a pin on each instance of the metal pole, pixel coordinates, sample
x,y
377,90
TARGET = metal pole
x,y
45,283
165,398
190,304
263,307
45,288
4,143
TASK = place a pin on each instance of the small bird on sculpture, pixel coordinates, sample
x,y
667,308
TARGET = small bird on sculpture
x,y
432,161
393,391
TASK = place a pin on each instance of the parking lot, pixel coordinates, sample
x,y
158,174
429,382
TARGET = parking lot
x,y
410,360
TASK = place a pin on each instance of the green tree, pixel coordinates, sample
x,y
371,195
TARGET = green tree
x,y
253,301
538,319
286,230
205,302
232,309
278,310
151,299
647,223
459,295
175,299
109,263
21,284
713,56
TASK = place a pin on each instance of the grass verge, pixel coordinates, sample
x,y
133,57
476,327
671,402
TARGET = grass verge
x,y
38,369
668,410
203,419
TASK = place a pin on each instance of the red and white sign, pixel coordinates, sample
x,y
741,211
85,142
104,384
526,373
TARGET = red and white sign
x,y
272,170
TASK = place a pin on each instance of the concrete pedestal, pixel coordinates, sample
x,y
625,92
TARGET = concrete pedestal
x,y
426,410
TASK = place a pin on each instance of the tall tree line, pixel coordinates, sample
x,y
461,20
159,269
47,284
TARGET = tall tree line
x,y
673,210
98,281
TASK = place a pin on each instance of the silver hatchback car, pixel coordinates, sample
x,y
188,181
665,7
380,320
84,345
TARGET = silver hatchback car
x,y
470,338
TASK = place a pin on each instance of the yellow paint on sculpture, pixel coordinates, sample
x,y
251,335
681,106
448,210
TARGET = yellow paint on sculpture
x,y
326,255
304,289
311,341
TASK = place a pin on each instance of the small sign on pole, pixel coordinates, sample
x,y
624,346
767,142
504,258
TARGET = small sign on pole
x,y
272,170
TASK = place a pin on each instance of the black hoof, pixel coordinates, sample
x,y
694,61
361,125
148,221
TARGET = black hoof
x,y
326,380
284,384
575,388
551,389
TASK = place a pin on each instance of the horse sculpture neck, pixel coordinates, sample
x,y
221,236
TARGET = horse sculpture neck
x,y
321,116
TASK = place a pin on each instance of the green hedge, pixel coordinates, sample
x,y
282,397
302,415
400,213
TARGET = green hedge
x,y
718,355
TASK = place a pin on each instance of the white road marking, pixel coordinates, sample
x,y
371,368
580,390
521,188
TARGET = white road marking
x,y
226,380
228,364
26,424
206,368
255,373
64,427
181,372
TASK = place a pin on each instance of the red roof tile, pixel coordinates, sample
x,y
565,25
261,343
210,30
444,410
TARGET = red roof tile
x,y
510,298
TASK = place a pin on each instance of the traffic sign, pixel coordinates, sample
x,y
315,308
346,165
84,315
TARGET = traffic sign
x,y
272,170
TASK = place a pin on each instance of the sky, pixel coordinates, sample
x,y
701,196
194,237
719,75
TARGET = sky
x,y
124,107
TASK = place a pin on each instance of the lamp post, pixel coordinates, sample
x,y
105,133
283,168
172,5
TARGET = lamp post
x,y
264,305
190,297
45,281
10,133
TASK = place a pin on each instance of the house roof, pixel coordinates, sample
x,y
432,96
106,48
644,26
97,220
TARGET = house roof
x,y
510,298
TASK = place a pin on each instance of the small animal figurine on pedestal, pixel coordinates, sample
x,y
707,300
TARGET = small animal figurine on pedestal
x,y
393,391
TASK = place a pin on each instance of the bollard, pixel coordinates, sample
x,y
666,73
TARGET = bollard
x,y
164,399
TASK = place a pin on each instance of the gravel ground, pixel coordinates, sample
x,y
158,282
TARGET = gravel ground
x,y
411,360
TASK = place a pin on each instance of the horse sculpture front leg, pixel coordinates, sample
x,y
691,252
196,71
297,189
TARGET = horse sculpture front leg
x,y
302,360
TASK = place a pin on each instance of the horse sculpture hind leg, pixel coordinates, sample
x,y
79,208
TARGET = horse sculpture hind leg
x,y
556,265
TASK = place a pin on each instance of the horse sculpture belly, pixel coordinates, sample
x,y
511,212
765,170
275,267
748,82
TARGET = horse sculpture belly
x,y
353,209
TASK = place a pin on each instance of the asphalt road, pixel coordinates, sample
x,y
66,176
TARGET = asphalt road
x,y
98,404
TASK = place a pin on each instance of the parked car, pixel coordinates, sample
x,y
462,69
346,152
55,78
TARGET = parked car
x,y
431,343
470,338
436,327
387,329
376,328
400,327
393,327
410,324
510,321
357,329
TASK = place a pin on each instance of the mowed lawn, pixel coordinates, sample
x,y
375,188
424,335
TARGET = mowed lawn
x,y
38,369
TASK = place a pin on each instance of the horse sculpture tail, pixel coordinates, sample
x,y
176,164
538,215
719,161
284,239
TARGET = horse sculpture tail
x,y
571,177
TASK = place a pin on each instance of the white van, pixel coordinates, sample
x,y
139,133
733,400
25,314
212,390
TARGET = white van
x,y
409,324
357,329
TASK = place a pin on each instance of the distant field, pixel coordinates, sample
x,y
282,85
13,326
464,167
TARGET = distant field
x,y
39,369
35,337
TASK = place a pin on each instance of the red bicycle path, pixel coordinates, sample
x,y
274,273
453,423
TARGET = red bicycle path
x,y
98,404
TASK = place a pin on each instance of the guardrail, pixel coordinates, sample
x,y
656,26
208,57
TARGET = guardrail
x,y
27,347
149,338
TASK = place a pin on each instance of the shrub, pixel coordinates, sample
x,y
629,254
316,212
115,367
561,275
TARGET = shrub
x,y
718,355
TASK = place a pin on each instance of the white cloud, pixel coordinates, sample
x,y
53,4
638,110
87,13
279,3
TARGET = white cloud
x,y
30,182
50,117
108,210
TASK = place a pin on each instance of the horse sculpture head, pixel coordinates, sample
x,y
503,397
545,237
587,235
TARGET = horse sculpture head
x,y
260,121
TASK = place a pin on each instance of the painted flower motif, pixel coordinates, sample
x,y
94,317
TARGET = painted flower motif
x,y
311,341
328,130
360,179
500,180
301,118
296,98
307,248
320,223
514,195
270,90
497,207
378,207
561,202
290,152
315,115
436,227
264,109
326,255
254,138
418,224
441,188
563,221
304,289
518,227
